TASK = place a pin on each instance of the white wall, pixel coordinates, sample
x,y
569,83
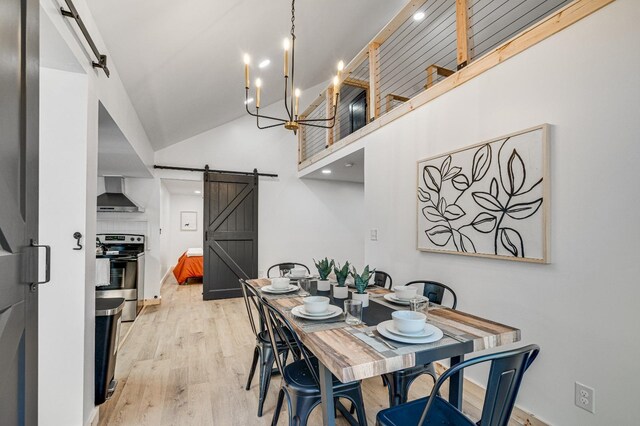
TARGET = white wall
x,y
180,241
298,219
63,206
111,93
165,207
581,308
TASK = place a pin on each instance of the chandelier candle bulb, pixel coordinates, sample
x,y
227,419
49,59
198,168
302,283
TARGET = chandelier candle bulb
x,y
340,68
297,92
286,57
336,82
246,71
258,86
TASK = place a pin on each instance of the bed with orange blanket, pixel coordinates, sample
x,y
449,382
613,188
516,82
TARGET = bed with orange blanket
x,y
189,266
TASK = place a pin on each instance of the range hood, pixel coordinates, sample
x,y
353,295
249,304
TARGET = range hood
x,y
114,200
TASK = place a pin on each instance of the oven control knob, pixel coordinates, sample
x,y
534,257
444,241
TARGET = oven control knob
x,y
139,238
131,238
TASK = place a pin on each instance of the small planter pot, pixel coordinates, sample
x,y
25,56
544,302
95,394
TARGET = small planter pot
x,y
340,292
363,297
324,285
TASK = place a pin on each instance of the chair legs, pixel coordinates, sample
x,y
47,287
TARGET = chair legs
x,y
300,407
254,363
276,412
399,382
266,367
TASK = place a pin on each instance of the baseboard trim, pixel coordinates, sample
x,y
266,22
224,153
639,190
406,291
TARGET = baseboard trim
x,y
519,416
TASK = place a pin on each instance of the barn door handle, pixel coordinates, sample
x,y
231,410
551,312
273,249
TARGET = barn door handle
x,y
47,250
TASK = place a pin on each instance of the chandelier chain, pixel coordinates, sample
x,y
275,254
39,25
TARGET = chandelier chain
x,y
293,19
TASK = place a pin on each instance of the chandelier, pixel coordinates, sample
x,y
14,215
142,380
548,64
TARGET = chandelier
x,y
291,93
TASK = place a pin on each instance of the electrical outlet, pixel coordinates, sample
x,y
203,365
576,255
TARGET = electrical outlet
x,y
374,235
585,397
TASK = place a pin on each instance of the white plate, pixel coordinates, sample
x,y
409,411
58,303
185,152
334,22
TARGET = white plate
x,y
391,327
308,276
334,311
290,288
393,299
433,337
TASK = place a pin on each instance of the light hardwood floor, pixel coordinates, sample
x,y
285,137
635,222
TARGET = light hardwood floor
x,y
185,362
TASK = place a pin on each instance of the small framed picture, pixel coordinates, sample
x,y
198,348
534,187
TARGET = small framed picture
x,y
188,221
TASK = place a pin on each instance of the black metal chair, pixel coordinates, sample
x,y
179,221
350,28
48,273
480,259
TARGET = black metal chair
x,y
505,378
301,382
399,382
435,292
285,267
381,279
263,351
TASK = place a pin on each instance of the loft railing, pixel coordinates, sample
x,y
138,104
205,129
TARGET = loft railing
x,y
409,58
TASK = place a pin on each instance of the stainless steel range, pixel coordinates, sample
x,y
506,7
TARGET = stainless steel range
x,y
126,268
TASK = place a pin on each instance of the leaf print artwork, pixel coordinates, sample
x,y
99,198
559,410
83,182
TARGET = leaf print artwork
x,y
488,199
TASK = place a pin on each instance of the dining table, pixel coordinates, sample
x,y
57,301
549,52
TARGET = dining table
x,y
357,352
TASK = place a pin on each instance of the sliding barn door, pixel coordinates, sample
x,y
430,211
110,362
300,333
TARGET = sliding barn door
x,y
231,233
18,211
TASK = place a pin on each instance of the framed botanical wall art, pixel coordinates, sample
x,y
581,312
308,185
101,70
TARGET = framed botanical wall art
x,y
490,199
188,221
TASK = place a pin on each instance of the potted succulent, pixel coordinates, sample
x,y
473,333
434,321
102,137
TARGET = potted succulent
x,y
324,267
361,281
340,290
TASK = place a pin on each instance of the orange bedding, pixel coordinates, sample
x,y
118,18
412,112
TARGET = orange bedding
x,y
188,267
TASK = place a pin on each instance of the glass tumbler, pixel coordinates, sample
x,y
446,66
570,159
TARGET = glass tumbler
x,y
353,311
420,305
305,284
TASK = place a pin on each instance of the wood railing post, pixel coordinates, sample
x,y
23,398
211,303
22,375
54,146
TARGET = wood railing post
x,y
329,113
374,81
302,139
462,31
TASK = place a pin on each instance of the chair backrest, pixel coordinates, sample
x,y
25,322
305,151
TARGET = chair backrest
x,y
285,267
381,279
505,378
280,329
252,302
435,291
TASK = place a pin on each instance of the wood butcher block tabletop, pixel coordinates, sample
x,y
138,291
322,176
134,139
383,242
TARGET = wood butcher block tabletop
x,y
350,355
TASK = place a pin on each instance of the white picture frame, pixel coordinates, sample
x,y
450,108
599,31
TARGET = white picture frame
x,y
489,199
188,221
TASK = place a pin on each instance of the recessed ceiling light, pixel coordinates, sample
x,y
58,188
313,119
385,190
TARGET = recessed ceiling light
x,y
326,171
348,165
198,192
264,63
418,16
248,101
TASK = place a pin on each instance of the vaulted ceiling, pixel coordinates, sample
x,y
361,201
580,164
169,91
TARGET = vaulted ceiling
x,y
181,62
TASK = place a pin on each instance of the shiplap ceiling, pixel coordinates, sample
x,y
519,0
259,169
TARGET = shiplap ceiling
x,y
181,62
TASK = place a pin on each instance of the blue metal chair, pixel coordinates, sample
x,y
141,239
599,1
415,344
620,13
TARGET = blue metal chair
x,y
284,268
399,382
263,352
505,377
301,383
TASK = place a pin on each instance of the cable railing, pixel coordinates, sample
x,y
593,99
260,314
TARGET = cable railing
x,y
427,42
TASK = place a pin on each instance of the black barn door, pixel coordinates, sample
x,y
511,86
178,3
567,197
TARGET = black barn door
x,y
18,211
231,233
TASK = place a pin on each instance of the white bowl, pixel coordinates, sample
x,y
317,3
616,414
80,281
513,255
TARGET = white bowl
x,y
405,292
298,272
280,283
409,321
316,304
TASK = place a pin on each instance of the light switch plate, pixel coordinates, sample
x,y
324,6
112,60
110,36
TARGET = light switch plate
x,y
374,235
